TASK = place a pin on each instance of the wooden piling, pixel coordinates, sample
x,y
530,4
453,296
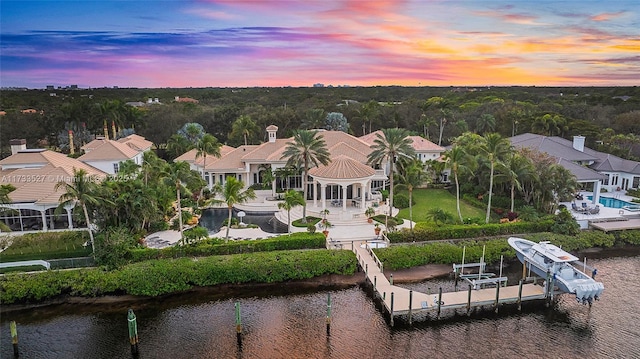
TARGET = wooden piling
x,y
497,302
391,313
548,289
410,300
439,302
524,269
391,279
328,313
520,295
133,332
14,338
238,323
375,282
469,301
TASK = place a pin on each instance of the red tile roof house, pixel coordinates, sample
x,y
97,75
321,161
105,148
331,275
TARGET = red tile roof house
x,y
34,173
347,183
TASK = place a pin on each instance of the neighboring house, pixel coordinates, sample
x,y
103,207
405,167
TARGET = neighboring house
x,y
596,169
137,142
34,173
347,176
186,99
107,155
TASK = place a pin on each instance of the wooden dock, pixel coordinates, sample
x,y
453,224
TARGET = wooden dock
x,y
402,301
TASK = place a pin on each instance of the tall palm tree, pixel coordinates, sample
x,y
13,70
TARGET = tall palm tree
x,y
519,169
176,174
313,118
82,191
307,148
368,112
233,194
177,145
457,159
444,107
426,122
208,144
389,146
495,148
412,175
291,199
244,126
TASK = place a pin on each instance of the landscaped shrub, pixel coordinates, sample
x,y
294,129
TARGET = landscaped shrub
x,y
215,246
628,236
401,201
427,231
47,245
158,277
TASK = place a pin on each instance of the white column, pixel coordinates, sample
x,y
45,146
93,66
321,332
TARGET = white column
x,y
324,195
315,195
344,198
69,220
44,220
596,192
363,200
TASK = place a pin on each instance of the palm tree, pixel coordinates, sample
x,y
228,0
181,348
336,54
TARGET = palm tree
x,y
233,194
426,123
486,123
519,169
390,146
456,158
208,144
313,118
291,199
81,191
176,174
411,176
177,145
443,106
244,126
368,112
306,148
495,148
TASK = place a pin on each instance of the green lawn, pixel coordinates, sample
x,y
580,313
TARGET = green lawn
x,y
427,199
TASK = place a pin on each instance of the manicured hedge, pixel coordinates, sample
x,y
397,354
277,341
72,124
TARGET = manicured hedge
x,y
407,256
158,277
300,240
426,231
46,245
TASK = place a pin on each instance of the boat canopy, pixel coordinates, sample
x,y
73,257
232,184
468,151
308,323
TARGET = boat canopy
x,y
554,253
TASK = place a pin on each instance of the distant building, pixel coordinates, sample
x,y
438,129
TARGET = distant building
x,y
186,99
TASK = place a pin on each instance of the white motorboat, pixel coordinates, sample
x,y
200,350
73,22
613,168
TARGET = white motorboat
x,y
546,259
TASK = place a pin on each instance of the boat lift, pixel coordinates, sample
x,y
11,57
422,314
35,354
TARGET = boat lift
x,y
481,279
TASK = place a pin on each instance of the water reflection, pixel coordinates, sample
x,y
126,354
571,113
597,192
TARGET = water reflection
x,y
281,325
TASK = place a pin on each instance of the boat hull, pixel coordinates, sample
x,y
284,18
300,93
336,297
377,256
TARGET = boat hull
x,y
549,261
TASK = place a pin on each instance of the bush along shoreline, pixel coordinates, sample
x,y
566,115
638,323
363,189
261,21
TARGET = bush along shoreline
x,y
165,276
418,254
157,277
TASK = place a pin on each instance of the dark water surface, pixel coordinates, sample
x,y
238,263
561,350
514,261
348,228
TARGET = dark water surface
x,y
293,326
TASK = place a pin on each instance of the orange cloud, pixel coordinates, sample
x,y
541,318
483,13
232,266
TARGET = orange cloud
x,y
606,16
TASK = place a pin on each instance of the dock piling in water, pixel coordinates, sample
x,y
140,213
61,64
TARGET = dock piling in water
x,y
328,313
14,338
238,323
133,332
391,312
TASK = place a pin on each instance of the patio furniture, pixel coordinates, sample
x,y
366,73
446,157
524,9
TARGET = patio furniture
x,y
575,207
594,210
584,205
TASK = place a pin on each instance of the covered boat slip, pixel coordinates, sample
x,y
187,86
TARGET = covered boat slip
x,y
402,301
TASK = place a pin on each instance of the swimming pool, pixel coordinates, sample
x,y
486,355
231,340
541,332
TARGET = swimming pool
x,y
613,202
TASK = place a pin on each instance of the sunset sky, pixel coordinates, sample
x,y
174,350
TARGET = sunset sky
x,y
240,43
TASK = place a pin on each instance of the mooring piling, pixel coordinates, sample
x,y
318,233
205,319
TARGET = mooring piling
x,y
14,338
238,323
328,313
520,295
391,312
439,301
133,332
391,278
410,300
469,301
497,303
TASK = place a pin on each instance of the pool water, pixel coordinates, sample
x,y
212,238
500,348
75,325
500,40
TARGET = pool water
x,y
613,202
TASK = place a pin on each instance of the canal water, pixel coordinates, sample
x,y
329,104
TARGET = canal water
x,y
285,323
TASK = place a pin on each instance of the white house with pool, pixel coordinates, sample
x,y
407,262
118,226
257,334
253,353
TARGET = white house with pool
x,y
346,186
605,178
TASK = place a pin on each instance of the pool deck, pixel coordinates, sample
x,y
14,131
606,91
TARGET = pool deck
x,y
608,219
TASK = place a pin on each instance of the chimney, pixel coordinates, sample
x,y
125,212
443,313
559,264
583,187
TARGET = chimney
x,y
272,130
17,145
578,143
